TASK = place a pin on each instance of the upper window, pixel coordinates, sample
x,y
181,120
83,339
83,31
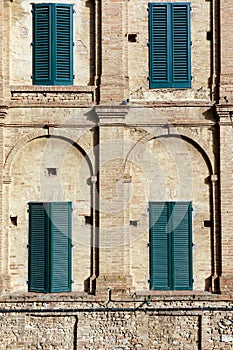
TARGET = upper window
x,y
52,44
50,247
169,42
171,246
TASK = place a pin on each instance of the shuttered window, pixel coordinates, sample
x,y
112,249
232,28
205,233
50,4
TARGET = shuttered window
x,y
171,245
50,247
170,45
52,44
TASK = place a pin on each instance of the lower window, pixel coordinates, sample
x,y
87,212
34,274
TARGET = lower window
x,y
171,245
50,247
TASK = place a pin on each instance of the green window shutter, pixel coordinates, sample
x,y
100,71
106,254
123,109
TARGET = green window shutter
x,y
38,252
60,247
182,245
64,45
52,44
181,46
159,246
50,246
170,245
169,45
42,44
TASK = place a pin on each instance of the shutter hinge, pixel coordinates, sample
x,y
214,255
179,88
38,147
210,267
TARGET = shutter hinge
x,y
148,44
32,44
73,76
73,43
27,282
191,77
72,281
148,244
191,8
191,43
148,280
27,246
32,77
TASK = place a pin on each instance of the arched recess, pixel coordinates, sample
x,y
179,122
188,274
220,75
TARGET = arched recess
x,y
171,167
49,168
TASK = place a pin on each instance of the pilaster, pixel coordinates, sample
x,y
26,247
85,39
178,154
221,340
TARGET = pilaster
x,y
113,201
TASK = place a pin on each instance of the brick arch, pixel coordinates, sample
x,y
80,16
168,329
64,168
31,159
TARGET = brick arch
x,y
83,146
186,135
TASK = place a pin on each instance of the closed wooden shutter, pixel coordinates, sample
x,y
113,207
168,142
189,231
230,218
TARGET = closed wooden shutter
x,y
64,45
60,247
159,246
169,44
38,248
170,245
42,45
50,247
181,46
182,245
52,44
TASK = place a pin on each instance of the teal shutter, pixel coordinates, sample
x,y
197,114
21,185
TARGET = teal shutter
x,y
170,245
159,246
160,45
38,248
42,50
52,44
50,247
181,46
169,45
182,245
60,247
64,45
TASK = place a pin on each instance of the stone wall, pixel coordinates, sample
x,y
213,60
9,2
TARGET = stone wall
x,y
161,322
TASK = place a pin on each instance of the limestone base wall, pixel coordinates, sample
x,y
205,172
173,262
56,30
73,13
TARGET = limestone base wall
x,y
72,322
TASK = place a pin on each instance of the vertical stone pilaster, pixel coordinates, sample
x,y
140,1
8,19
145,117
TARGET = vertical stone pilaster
x,y
3,113
114,77
226,190
226,37
113,200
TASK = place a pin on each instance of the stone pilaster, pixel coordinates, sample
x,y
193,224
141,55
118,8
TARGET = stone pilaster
x,y
113,200
114,76
225,113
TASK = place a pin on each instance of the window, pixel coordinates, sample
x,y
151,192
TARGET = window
x,y
171,245
52,44
50,247
170,45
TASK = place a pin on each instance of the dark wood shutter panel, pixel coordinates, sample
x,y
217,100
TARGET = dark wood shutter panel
x,y
182,245
41,45
171,245
159,248
38,253
181,46
52,44
61,247
64,45
159,46
169,45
